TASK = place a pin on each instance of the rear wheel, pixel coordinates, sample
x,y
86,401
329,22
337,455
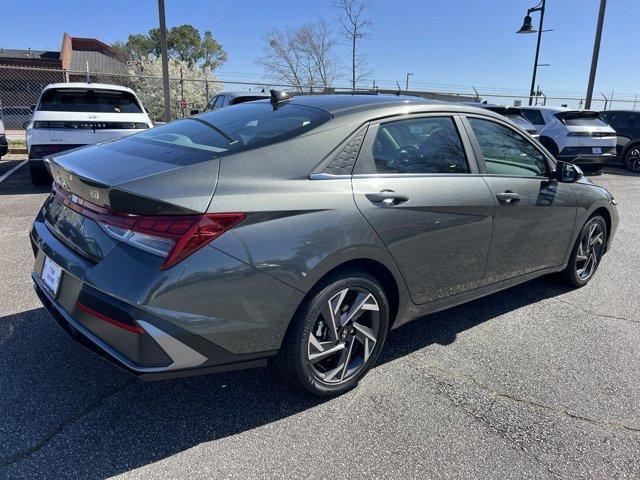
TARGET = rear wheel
x,y
336,335
632,158
587,252
40,176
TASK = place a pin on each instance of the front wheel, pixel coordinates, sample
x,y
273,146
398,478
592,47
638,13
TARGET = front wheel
x,y
336,335
587,252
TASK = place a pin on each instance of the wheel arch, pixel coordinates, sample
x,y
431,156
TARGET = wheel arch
x,y
604,213
627,147
389,282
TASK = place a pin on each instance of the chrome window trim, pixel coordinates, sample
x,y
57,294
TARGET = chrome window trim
x,y
327,176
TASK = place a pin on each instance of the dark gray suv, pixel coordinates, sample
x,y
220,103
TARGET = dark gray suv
x,y
301,230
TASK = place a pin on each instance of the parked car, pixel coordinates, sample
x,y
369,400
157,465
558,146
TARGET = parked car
x,y
224,99
512,113
16,118
300,230
576,136
4,144
626,123
72,115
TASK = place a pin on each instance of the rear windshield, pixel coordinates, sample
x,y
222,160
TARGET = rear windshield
x,y
581,119
534,116
506,111
229,130
88,100
237,100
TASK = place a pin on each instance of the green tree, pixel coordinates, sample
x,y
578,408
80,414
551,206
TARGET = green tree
x,y
184,43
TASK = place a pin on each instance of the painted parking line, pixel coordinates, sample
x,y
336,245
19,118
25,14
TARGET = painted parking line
x,y
6,175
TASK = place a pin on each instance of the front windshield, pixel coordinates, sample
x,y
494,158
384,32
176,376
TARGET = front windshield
x,y
232,129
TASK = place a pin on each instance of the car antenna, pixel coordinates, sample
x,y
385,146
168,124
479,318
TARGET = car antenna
x,y
278,97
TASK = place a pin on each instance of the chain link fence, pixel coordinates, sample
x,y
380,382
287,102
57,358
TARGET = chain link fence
x,y
20,89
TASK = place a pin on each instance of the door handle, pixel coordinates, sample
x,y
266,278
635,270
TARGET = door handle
x,y
387,198
508,197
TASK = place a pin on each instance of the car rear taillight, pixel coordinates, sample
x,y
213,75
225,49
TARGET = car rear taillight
x,y
171,237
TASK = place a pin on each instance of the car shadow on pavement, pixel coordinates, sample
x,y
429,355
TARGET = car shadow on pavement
x,y
66,413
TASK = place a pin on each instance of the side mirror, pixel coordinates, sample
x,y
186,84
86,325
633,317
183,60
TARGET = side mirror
x,y
568,172
194,112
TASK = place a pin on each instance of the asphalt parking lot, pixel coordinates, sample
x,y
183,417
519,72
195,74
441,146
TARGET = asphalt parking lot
x,y
538,381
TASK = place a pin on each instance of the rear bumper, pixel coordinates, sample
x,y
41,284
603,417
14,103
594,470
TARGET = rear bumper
x,y
218,360
164,336
585,155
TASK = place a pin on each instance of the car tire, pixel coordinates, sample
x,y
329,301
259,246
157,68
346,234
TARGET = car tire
x,y
632,158
325,360
40,176
587,252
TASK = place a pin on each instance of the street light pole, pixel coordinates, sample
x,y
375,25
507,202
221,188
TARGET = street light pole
x,y
527,28
165,61
596,54
406,87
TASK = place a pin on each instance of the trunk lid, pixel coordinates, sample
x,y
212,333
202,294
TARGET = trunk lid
x,y
139,177
125,177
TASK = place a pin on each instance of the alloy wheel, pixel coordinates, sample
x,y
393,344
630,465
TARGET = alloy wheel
x,y
633,159
343,335
590,251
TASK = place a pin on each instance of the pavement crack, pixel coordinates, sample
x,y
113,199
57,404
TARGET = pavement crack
x,y
51,434
597,314
452,374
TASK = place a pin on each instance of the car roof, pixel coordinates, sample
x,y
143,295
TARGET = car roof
x,y
95,86
367,107
238,93
621,110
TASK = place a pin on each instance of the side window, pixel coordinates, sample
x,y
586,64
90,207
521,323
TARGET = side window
x,y
421,145
219,102
534,116
506,152
209,106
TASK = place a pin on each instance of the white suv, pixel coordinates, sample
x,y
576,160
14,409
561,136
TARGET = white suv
x,y
576,136
71,115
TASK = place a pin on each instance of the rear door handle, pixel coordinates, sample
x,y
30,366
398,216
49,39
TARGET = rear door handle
x,y
388,198
508,197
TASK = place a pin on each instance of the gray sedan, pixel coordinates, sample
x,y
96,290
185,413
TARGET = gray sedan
x,y
300,230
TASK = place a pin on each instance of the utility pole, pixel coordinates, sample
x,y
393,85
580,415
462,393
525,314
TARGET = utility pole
x,y
165,61
596,54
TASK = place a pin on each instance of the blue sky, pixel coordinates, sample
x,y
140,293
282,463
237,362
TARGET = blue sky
x,y
444,43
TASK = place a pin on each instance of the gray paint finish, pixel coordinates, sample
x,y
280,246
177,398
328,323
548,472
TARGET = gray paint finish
x,y
449,241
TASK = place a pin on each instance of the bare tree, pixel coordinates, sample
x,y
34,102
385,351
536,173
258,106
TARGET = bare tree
x,y
301,57
355,24
317,44
281,58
